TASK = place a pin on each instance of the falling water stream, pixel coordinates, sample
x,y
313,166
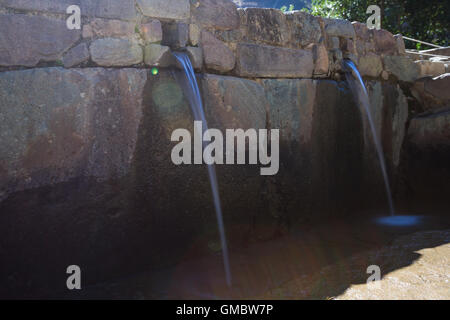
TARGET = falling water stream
x,y
192,92
360,93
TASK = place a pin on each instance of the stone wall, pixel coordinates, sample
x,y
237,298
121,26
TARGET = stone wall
x,y
249,42
85,169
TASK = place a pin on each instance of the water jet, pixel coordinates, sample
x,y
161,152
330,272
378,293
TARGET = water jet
x,y
189,84
358,88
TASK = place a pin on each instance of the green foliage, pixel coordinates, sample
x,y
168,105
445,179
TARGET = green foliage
x,y
285,8
423,20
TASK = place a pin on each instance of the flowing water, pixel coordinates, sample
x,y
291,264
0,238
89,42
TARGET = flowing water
x,y
189,83
360,93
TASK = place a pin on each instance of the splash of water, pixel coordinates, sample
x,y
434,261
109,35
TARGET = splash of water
x,y
192,92
360,93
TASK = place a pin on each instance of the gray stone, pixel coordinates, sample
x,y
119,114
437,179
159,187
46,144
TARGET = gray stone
x,y
194,34
400,44
333,43
26,40
216,54
429,68
384,41
165,9
116,52
265,26
111,9
217,14
292,104
370,65
305,28
53,6
196,57
432,93
76,56
157,55
401,67
267,61
321,61
234,103
152,31
67,123
175,34
361,30
339,28
107,28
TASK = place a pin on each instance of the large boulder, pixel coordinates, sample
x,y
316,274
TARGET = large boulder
x,y
217,14
370,65
27,40
165,9
110,9
267,26
305,28
402,67
268,61
339,28
58,127
216,54
116,52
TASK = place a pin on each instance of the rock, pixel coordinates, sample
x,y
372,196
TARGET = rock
x,y
76,117
26,40
401,67
87,31
370,65
333,43
432,93
339,28
157,55
348,46
305,28
400,44
217,14
229,36
267,61
321,61
267,26
216,54
122,10
116,52
234,103
175,34
152,31
194,34
361,30
292,104
427,172
54,6
196,57
385,42
165,9
76,56
106,28
430,68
